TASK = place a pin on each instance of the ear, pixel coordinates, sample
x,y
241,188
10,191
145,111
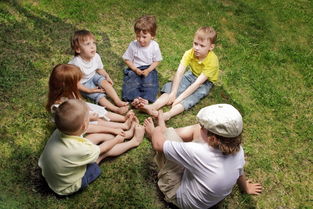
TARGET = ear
x,y
77,50
212,46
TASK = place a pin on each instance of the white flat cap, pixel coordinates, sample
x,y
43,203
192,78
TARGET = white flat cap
x,y
221,119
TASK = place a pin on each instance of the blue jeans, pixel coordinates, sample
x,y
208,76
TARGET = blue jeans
x,y
186,81
140,86
92,83
92,172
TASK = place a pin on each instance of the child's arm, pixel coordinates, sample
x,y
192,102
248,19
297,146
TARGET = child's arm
x,y
107,145
192,88
106,75
82,88
133,67
178,76
246,186
149,69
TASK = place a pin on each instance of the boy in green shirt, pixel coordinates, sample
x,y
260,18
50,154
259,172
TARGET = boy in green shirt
x,y
69,162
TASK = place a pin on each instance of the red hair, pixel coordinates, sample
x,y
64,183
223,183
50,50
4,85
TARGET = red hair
x,y
63,83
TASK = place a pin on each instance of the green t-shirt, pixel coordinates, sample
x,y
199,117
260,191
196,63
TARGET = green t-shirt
x,y
64,161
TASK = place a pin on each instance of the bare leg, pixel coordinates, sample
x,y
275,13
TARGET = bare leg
x,y
110,91
125,126
130,133
107,104
123,147
97,138
175,110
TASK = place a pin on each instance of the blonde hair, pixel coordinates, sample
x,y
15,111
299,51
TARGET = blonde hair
x,y
206,33
79,37
146,24
226,145
71,115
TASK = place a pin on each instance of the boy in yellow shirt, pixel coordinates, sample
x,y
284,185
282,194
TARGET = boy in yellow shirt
x,y
69,161
187,89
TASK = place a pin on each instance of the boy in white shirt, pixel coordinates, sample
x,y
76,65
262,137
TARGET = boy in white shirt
x,y
96,82
200,164
142,56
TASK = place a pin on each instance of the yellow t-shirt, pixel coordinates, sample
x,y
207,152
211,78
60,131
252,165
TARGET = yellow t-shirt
x,y
64,161
209,66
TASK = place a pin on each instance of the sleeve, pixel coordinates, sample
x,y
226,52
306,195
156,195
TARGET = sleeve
x,y
157,56
99,61
180,152
242,162
89,154
129,53
185,61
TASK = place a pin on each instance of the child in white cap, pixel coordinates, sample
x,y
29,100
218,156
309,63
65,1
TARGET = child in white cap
x,y
202,172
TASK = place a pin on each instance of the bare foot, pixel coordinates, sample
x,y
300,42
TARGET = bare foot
x,y
143,101
149,126
149,110
129,113
121,103
128,122
122,110
139,133
119,138
130,133
135,103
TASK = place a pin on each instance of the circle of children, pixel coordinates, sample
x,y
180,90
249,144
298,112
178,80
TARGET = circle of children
x,y
198,165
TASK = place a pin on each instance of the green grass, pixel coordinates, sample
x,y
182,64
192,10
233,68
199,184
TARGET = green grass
x,y
265,51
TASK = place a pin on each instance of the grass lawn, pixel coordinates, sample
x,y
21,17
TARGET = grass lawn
x,y
265,52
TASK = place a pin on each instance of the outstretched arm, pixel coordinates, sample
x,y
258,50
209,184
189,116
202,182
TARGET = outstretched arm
x,y
247,186
176,81
82,88
106,75
192,88
132,66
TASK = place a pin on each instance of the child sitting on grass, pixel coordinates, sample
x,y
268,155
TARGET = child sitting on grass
x,y
187,89
141,84
69,161
96,82
63,84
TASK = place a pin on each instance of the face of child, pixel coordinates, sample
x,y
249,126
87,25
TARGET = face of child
x,y
144,38
202,47
87,49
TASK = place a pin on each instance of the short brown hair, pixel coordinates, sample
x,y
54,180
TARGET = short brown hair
x,y
78,37
226,145
70,115
146,24
206,33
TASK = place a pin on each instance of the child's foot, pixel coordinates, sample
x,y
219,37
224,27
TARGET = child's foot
x,y
135,103
130,133
122,110
143,101
149,110
129,113
127,124
162,117
149,126
121,103
139,133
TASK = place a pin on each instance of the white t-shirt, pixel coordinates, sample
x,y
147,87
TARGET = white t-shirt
x,y
209,176
88,68
143,55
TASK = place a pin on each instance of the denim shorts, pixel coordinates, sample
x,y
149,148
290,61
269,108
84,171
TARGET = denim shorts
x,y
140,86
92,83
186,81
92,173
